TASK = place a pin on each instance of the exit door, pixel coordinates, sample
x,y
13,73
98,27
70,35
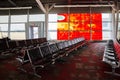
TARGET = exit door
x,y
34,30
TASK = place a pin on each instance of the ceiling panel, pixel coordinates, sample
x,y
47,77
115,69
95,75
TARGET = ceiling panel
x,y
36,9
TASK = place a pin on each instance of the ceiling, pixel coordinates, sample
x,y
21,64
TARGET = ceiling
x,y
35,6
23,3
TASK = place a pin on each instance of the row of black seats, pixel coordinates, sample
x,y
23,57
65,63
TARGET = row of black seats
x,y
43,55
110,56
9,46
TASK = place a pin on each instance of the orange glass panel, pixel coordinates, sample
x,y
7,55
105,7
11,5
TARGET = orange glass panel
x,y
62,26
79,25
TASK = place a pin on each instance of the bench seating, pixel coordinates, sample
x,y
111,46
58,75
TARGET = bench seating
x,y
47,53
111,56
14,46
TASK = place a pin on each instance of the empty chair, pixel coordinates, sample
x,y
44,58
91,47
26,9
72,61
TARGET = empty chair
x,y
45,50
61,48
55,51
4,46
70,43
13,46
21,44
37,59
66,44
35,42
29,43
42,41
68,47
110,57
60,45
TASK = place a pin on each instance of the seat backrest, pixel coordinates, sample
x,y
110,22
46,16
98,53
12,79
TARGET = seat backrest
x,y
70,43
45,50
42,40
35,41
21,43
34,55
66,44
60,45
73,41
53,48
29,42
4,44
117,47
12,44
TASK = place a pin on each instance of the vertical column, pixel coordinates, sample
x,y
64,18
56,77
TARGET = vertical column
x,y
90,25
41,30
27,26
117,21
31,32
69,24
9,24
113,25
46,20
46,25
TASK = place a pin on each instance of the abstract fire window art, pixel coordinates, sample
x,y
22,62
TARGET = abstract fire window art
x,y
71,26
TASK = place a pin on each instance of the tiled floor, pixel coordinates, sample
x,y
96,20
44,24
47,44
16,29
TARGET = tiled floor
x,y
84,64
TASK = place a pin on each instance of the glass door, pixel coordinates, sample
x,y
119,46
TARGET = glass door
x,y
34,30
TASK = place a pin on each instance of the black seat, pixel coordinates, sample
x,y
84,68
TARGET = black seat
x,y
38,59
61,48
55,51
21,44
110,57
4,46
29,43
13,46
45,50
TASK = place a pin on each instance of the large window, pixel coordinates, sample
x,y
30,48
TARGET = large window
x,y
106,26
118,29
17,31
17,26
3,19
37,17
3,30
95,26
52,27
18,18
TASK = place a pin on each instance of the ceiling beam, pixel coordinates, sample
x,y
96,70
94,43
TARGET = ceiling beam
x,y
57,6
113,7
90,2
41,6
13,8
51,6
13,3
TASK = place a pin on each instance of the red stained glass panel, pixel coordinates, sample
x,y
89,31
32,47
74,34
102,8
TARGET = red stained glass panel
x,y
76,25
